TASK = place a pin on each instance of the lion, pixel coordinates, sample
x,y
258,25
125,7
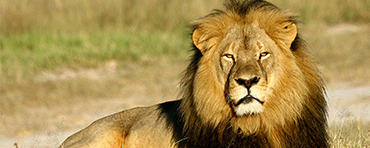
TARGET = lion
x,y
250,83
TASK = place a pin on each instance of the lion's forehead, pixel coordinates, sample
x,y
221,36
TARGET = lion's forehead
x,y
246,37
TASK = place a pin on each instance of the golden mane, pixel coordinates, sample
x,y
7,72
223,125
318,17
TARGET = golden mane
x,y
300,89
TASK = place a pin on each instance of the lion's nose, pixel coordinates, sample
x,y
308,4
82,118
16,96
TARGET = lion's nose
x,y
249,82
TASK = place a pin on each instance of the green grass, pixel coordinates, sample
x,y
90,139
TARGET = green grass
x,y
28,54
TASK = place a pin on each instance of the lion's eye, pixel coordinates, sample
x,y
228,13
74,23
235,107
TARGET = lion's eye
x,y
264,54
229,56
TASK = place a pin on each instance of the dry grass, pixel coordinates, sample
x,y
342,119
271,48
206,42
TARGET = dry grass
x,y
63,61
331,12
355,134
19,16
342,51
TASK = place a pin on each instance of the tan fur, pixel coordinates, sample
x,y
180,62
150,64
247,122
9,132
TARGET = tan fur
x,y
259,42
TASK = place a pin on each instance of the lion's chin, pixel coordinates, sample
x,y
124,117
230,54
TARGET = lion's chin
x,y
251,108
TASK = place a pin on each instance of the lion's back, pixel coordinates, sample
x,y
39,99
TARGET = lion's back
x,y
137,127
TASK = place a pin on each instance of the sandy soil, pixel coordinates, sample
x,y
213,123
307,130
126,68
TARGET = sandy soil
x,y
349,103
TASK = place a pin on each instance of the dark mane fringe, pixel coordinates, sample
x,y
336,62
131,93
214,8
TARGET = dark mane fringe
x,y
187,80
243,7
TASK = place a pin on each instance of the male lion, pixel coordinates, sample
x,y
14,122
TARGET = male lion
x,y
250,83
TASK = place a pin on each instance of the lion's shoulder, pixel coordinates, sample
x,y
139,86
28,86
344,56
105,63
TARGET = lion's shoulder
x,y
155,126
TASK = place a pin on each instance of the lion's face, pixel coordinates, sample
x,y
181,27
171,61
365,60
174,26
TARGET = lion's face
x,y
246,66
246,62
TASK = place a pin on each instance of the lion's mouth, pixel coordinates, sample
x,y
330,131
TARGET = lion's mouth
x,y
247,99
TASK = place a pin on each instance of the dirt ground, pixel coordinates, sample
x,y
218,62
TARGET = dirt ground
x,y
349,103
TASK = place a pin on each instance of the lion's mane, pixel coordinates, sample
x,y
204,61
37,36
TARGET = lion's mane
x,y
297,118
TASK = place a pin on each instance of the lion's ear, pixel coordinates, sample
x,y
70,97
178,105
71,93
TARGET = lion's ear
x,y
198,40
290,32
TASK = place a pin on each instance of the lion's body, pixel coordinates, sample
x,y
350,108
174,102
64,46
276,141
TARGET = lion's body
x,y
250,83
138,127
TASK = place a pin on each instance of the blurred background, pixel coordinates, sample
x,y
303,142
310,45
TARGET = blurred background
x,y
66,63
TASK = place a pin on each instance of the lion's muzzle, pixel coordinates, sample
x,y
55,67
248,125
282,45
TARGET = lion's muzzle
x,y
246,105
247,99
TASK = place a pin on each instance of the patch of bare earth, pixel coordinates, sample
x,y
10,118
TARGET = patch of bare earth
x,y
43,124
